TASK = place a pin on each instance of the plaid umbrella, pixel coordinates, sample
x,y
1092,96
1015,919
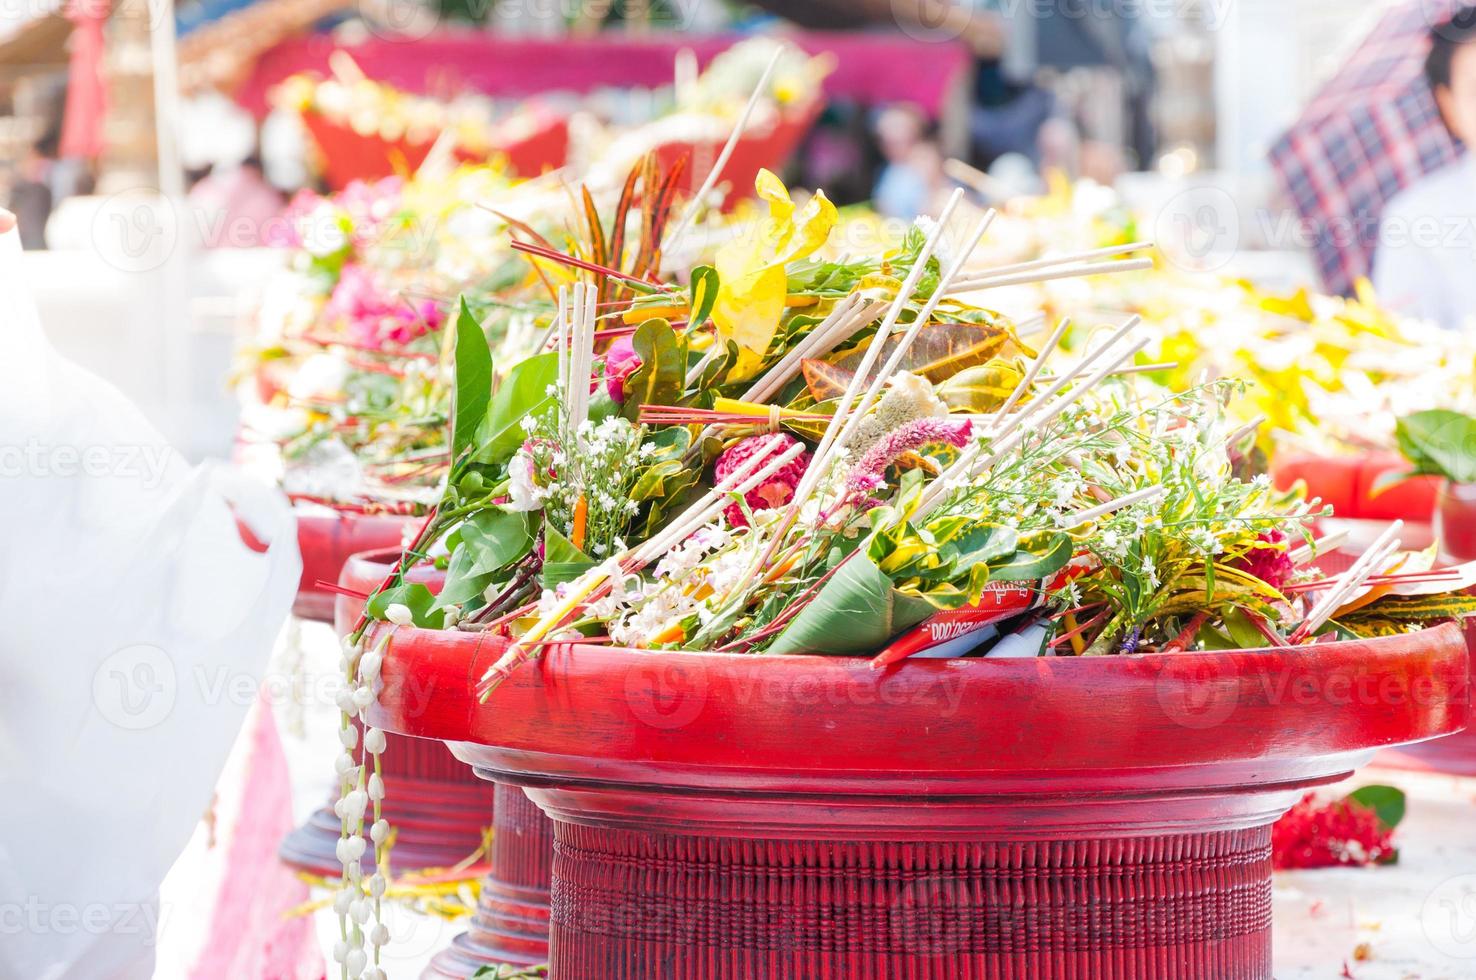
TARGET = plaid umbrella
x,y
1371,130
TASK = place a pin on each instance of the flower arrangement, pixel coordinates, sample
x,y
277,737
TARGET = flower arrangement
x,y
781,453
797,455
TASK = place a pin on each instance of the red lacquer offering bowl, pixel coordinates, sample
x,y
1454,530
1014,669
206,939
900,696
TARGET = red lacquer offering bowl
x,y
1455,529
437,808
327,539
1349,483
742,816
527,147
760,147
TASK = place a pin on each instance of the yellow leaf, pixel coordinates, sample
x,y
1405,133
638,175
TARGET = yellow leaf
x,y
751,272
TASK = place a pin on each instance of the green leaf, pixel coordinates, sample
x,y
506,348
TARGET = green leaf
x,y
981,388
465,579
1440,442
704,290
663,372
414,596
984,543
498,537
473,381
1387,801
1035,557
523,392
562,562
855,613
1242,631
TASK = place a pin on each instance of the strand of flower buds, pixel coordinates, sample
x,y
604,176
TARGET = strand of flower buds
x,y
356,903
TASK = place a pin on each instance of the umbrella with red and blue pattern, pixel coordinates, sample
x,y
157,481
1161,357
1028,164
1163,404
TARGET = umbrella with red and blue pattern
x,y
1371,130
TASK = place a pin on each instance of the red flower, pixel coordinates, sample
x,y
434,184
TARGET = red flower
x,y
777,490
1313,835
1269,560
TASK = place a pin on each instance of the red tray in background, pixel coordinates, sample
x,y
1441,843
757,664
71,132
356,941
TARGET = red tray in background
x,y
327,539
1347,482
346,155
737,815
759,148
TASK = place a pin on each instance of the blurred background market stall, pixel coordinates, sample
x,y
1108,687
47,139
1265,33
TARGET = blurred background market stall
x,y
1175,105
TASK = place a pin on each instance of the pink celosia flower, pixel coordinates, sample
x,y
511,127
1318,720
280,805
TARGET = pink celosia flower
x,y
866,475
374,317
777,490
621,361
1271,564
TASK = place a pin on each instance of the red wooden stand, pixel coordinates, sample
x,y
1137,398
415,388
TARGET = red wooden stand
x,y
436,806
758,148
735,816
511,922
1348,483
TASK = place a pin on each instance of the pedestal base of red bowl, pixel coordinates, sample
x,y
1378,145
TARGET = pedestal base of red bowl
x,y
722,816
438,814
511,921
631,904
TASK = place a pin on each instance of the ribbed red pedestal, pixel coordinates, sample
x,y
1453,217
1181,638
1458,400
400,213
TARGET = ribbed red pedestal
x,y
511,923
437,807
630,905
726,816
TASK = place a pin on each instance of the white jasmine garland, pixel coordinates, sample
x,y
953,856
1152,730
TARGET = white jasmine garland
x,y
361,796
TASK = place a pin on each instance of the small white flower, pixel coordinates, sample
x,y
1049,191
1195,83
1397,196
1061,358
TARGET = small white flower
x,y
349,849
399,614
374,741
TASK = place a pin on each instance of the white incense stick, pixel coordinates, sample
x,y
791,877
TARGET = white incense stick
x,y
1069,258
1321,546
697,202
894,360
1040,360
1076,371
1345,583
821,459
704,513
1055,272
1126,500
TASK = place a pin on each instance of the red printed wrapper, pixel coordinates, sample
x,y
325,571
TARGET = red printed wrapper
x,y
1000,601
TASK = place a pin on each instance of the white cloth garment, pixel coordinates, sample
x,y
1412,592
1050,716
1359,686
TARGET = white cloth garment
x,y
1425,260
130,613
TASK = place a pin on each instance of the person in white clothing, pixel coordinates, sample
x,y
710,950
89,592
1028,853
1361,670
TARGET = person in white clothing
x,y
1425,263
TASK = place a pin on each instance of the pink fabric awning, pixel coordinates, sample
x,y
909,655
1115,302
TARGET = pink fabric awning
x,y
870,69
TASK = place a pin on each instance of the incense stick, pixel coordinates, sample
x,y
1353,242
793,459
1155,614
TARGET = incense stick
x,y
1046,275
689,214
